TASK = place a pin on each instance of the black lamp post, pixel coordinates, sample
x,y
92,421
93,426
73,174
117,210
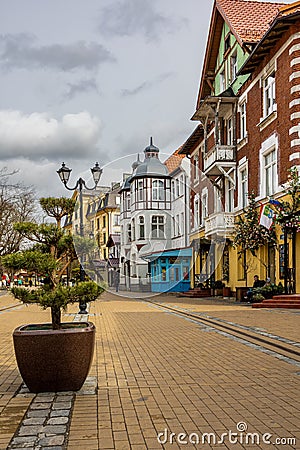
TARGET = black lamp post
x,y
64,174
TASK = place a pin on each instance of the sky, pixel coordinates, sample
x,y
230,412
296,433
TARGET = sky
x,y
86,81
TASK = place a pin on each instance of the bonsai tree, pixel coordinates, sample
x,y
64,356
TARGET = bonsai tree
x,y
51,255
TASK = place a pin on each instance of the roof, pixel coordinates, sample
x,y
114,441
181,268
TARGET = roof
x,y
151,167
192,141
248,20
287,14
174,161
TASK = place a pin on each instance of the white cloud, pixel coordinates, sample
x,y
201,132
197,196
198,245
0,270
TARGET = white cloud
x,y
38,135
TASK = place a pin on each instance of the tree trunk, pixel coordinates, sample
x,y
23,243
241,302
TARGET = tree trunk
x,y
56,317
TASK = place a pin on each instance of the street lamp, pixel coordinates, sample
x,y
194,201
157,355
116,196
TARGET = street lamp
x,y
64,174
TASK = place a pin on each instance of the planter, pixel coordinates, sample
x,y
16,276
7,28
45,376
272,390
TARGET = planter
x,y
54,360
226,292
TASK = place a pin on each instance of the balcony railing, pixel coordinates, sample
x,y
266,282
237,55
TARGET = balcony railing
x,y
221,224
220,154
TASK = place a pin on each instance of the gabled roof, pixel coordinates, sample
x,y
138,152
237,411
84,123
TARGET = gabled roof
x,y
174,161
248,21
192,141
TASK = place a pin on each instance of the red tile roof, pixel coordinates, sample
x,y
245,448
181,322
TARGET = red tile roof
x,y
248,19
174,161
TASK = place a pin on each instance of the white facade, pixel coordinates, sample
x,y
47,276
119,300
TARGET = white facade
x,y
153,216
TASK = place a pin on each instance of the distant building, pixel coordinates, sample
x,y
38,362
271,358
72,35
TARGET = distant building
x,y
154,226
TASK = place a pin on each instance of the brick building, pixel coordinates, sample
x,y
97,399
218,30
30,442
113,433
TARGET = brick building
x,y
248,136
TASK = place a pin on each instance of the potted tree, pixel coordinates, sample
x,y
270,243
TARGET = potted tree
x,y
53,356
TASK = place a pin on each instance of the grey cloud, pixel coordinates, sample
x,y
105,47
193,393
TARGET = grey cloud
x,y
83,86
146,85
22,51
130,17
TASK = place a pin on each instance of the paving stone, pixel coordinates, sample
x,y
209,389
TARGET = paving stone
x,y
51,441
62,405
38,413
60,413
23,440
34,421
30,430
43,398
54,429
57,421
39,405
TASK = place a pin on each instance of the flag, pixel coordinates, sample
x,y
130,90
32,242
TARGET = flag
x,y
266,216
275,202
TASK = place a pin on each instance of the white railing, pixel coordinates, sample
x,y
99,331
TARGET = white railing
x,y
219,223
220,153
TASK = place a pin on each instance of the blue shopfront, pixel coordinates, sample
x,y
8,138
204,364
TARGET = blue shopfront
x,y
170,270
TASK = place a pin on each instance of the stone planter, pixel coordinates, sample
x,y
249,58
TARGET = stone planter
x,y
54,360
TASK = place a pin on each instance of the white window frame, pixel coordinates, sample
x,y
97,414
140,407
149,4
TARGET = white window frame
x,y
269,93
243,120
243,185
229,196
141,223
229,126
158,192
204,205
267,147
159,224
196,211
233,67
196,168
222,81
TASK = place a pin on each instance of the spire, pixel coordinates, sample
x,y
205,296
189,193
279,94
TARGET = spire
x,y
136,163
151,150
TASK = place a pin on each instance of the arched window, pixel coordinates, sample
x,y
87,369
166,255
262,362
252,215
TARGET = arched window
x,y
158,193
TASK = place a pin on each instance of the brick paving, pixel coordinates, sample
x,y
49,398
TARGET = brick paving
x,y
159,373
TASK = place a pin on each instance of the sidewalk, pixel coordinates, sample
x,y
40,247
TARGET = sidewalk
x,y
159,373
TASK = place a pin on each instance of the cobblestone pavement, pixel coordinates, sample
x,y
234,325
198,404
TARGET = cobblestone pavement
x,y
159,373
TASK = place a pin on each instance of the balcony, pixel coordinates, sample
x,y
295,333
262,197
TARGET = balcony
x,y
220,157
220,224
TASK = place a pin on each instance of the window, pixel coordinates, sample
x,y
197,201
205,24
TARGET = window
x,y
222,82
182,227
157,227
118,200
233,67
243,129
177,225
98,223
173,189
116,219
204,209
141,227
181,185
196,168
196,212
270,172
177,188
129,233
128,202
104,221
227,43
243,188
269,94
133,230
229,131
229,196
158,190
140,191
